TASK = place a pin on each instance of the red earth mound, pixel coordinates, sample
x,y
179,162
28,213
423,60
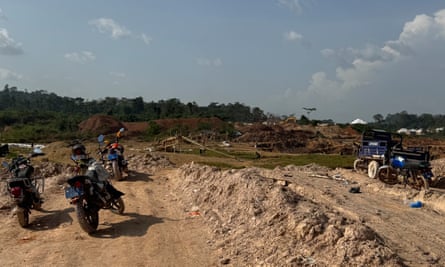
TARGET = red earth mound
x,y
189,124
104,124
100,124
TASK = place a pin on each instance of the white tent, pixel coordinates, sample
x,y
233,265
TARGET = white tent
x,y
358,121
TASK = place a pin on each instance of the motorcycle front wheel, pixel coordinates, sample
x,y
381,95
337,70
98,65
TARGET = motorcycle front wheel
x,y
37,202
117,206
387,175
88,219
22,216
116,170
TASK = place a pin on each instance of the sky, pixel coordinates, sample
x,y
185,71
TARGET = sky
x,y
346,59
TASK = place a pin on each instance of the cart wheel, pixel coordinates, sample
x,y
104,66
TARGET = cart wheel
x,y
356,165
373,166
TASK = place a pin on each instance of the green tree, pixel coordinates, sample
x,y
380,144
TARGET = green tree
x,y
378,118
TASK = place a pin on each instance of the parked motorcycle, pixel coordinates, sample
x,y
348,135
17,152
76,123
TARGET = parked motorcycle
x,y
115,155
90,191
409,167
24,189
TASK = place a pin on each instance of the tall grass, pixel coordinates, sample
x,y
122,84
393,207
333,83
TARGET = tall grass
x,y
241,159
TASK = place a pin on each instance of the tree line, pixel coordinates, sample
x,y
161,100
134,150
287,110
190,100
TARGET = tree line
x,y
394,122
125,109
37,115
31,113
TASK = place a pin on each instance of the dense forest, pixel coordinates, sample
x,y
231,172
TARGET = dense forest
x,y
38,115
125,109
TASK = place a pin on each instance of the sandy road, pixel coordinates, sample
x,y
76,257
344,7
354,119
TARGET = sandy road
x,y
154,231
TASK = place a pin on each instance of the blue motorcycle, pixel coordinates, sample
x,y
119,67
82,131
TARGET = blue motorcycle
x,y
409,167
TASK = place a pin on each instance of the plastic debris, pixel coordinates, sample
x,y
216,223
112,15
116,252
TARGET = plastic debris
x,y
194,214
416,204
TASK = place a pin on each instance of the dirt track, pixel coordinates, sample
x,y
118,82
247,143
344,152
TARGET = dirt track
x,y
154,231
201,216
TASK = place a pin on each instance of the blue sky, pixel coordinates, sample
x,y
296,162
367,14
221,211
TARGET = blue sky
x,y
346,58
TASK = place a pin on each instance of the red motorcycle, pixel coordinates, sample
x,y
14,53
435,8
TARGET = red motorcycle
x,y
115,156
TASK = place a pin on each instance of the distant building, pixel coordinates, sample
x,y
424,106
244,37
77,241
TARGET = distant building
x,y
403,131
435,130
418,131
410,131
358,121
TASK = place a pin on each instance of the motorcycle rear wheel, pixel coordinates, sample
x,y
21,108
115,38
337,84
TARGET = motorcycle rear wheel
x,y
88,220
422,183
117,206
116,170
22,216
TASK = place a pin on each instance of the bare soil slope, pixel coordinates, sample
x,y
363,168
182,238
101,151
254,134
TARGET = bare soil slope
x,y
195,215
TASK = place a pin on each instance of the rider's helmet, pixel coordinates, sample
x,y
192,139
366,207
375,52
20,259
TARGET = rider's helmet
x,y
115,145
79,151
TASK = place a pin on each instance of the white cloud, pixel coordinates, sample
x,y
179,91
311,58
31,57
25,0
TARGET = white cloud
x,y
292,5
146,39
6,74
118,74
7,45
440,20
414,31
328,52
293,36
414,40
320,85
370,79
109,26
346,56
209,62
117,31
80,57
2,15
